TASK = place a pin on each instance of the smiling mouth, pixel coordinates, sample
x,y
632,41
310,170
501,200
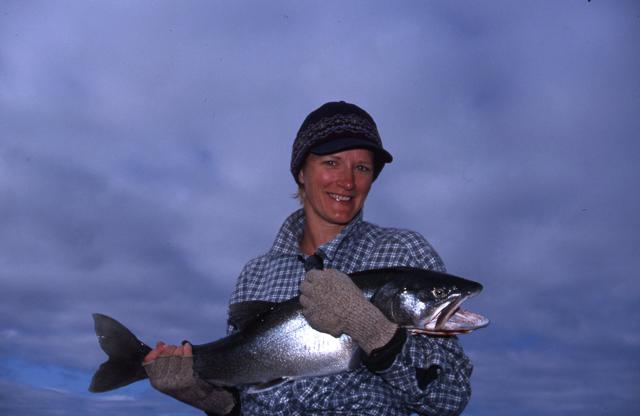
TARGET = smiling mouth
x,y
340,198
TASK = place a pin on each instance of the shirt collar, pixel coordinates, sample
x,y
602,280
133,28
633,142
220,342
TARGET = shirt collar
x,y
328,250
287,240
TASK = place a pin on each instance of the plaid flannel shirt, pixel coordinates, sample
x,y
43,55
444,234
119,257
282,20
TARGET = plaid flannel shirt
x,y
276,276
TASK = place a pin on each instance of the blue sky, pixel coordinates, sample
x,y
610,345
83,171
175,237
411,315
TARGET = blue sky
x,y
144,152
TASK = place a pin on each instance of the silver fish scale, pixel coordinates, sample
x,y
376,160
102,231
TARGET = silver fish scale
x,y
282,345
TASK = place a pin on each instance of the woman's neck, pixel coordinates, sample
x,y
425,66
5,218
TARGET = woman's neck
x,y
316,234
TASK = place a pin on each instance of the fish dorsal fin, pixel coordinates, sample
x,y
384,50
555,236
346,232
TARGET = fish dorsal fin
x,y
242,314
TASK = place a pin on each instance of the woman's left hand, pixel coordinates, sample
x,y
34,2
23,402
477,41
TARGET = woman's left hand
x,y
170,370
164,350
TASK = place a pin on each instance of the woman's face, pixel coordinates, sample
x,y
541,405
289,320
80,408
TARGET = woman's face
x,y
336,185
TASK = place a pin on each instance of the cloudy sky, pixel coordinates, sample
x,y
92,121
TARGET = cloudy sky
x,y
144,150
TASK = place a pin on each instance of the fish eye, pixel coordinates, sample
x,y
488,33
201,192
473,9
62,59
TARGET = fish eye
x,y
439,292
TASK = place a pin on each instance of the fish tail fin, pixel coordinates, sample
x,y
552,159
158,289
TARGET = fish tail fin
x,y
125,352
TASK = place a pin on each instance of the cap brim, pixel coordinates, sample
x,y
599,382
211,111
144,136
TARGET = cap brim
x,y
348,143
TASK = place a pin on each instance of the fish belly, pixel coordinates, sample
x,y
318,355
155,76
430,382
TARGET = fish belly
x,y
291,349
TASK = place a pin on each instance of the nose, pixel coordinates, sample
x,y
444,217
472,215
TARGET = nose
x,y
346,180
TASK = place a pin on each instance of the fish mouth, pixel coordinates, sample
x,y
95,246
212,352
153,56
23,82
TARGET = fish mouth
x,y
450,319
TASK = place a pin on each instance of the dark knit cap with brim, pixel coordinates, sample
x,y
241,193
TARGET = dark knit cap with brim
x,y
335,127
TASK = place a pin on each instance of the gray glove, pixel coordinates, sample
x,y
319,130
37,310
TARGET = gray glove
x,y
332,303
173,375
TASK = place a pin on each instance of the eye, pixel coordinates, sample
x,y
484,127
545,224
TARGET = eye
x,y
330,162
363,168
439,292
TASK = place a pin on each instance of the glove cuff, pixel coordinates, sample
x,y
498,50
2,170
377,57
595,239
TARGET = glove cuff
x,y
383,357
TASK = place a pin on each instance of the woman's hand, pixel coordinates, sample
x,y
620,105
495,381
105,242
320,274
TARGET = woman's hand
x,y
170,370
332,303
165,350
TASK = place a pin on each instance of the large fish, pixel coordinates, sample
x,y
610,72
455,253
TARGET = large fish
x,y
274,342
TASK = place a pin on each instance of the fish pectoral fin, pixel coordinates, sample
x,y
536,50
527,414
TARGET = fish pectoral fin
x,y
242,314
259,388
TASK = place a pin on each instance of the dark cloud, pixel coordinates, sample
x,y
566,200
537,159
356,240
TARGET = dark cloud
x,y
23,399
144,154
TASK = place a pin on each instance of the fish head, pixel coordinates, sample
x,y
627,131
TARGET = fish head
x,y
429,302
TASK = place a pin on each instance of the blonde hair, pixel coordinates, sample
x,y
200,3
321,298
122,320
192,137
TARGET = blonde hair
x,y
299,194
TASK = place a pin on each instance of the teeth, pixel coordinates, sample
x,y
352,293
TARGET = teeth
x,y
340,197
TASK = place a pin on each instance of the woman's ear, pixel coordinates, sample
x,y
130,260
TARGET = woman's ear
x,y
301,177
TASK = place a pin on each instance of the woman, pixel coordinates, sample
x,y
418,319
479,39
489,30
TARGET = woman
x,y
337,155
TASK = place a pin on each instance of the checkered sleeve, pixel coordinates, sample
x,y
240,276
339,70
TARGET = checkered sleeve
x,y
246,283
431,373
417,251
